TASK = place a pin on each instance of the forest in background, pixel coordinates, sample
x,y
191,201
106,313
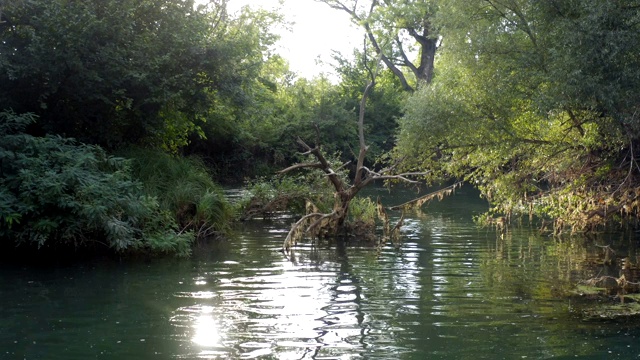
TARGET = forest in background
x,y
119,120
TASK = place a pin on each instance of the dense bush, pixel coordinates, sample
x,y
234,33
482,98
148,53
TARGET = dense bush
x,y
57,193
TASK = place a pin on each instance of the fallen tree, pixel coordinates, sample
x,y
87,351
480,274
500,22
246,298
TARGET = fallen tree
x,y
332,223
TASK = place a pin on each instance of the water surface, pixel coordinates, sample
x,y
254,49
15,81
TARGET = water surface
x,y
451,291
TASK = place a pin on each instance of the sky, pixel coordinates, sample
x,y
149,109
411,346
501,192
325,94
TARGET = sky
x,y
317,30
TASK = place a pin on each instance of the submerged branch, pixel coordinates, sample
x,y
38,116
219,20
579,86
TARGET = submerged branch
x,y
319,222
295,234
416,203
297,231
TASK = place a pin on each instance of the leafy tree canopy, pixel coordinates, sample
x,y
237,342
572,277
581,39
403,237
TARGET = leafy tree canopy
x,y
536,103
119,72
402,33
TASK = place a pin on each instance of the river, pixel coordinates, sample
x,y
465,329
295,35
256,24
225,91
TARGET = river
x,y
451,291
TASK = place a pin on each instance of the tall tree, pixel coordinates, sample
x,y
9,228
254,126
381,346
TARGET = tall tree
x,y
398,31
536,104
118,72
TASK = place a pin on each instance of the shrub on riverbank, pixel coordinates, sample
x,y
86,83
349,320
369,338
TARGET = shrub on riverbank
x,y
56,193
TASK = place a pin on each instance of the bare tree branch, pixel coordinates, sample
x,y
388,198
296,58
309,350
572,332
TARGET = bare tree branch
x,y
364,22
300,166
405,59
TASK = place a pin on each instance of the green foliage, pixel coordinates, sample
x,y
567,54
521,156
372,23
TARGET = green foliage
x,y
363,209
402,33
287,193
185,189
262,137
318,103
534,102
324,113
58,193
114,72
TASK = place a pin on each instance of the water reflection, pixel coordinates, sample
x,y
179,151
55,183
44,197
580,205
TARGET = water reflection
x,y
331,302
451,291
206,332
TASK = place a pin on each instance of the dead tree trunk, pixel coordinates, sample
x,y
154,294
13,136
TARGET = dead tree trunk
x,y
315,223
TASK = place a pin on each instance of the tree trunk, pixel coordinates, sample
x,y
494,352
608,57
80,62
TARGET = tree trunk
x,y
424,34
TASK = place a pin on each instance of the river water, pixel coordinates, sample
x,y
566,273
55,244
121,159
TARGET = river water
x,y
451,291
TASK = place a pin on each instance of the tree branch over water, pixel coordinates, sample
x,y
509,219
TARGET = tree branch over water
x,y
333,223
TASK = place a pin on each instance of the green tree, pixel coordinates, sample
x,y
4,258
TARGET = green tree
x,y
398,31
122,72
534,102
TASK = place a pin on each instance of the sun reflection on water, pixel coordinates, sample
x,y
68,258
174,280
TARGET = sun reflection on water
x,y
206,329
312,307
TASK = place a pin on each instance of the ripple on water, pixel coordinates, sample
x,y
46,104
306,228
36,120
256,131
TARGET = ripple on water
x,y
450,292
